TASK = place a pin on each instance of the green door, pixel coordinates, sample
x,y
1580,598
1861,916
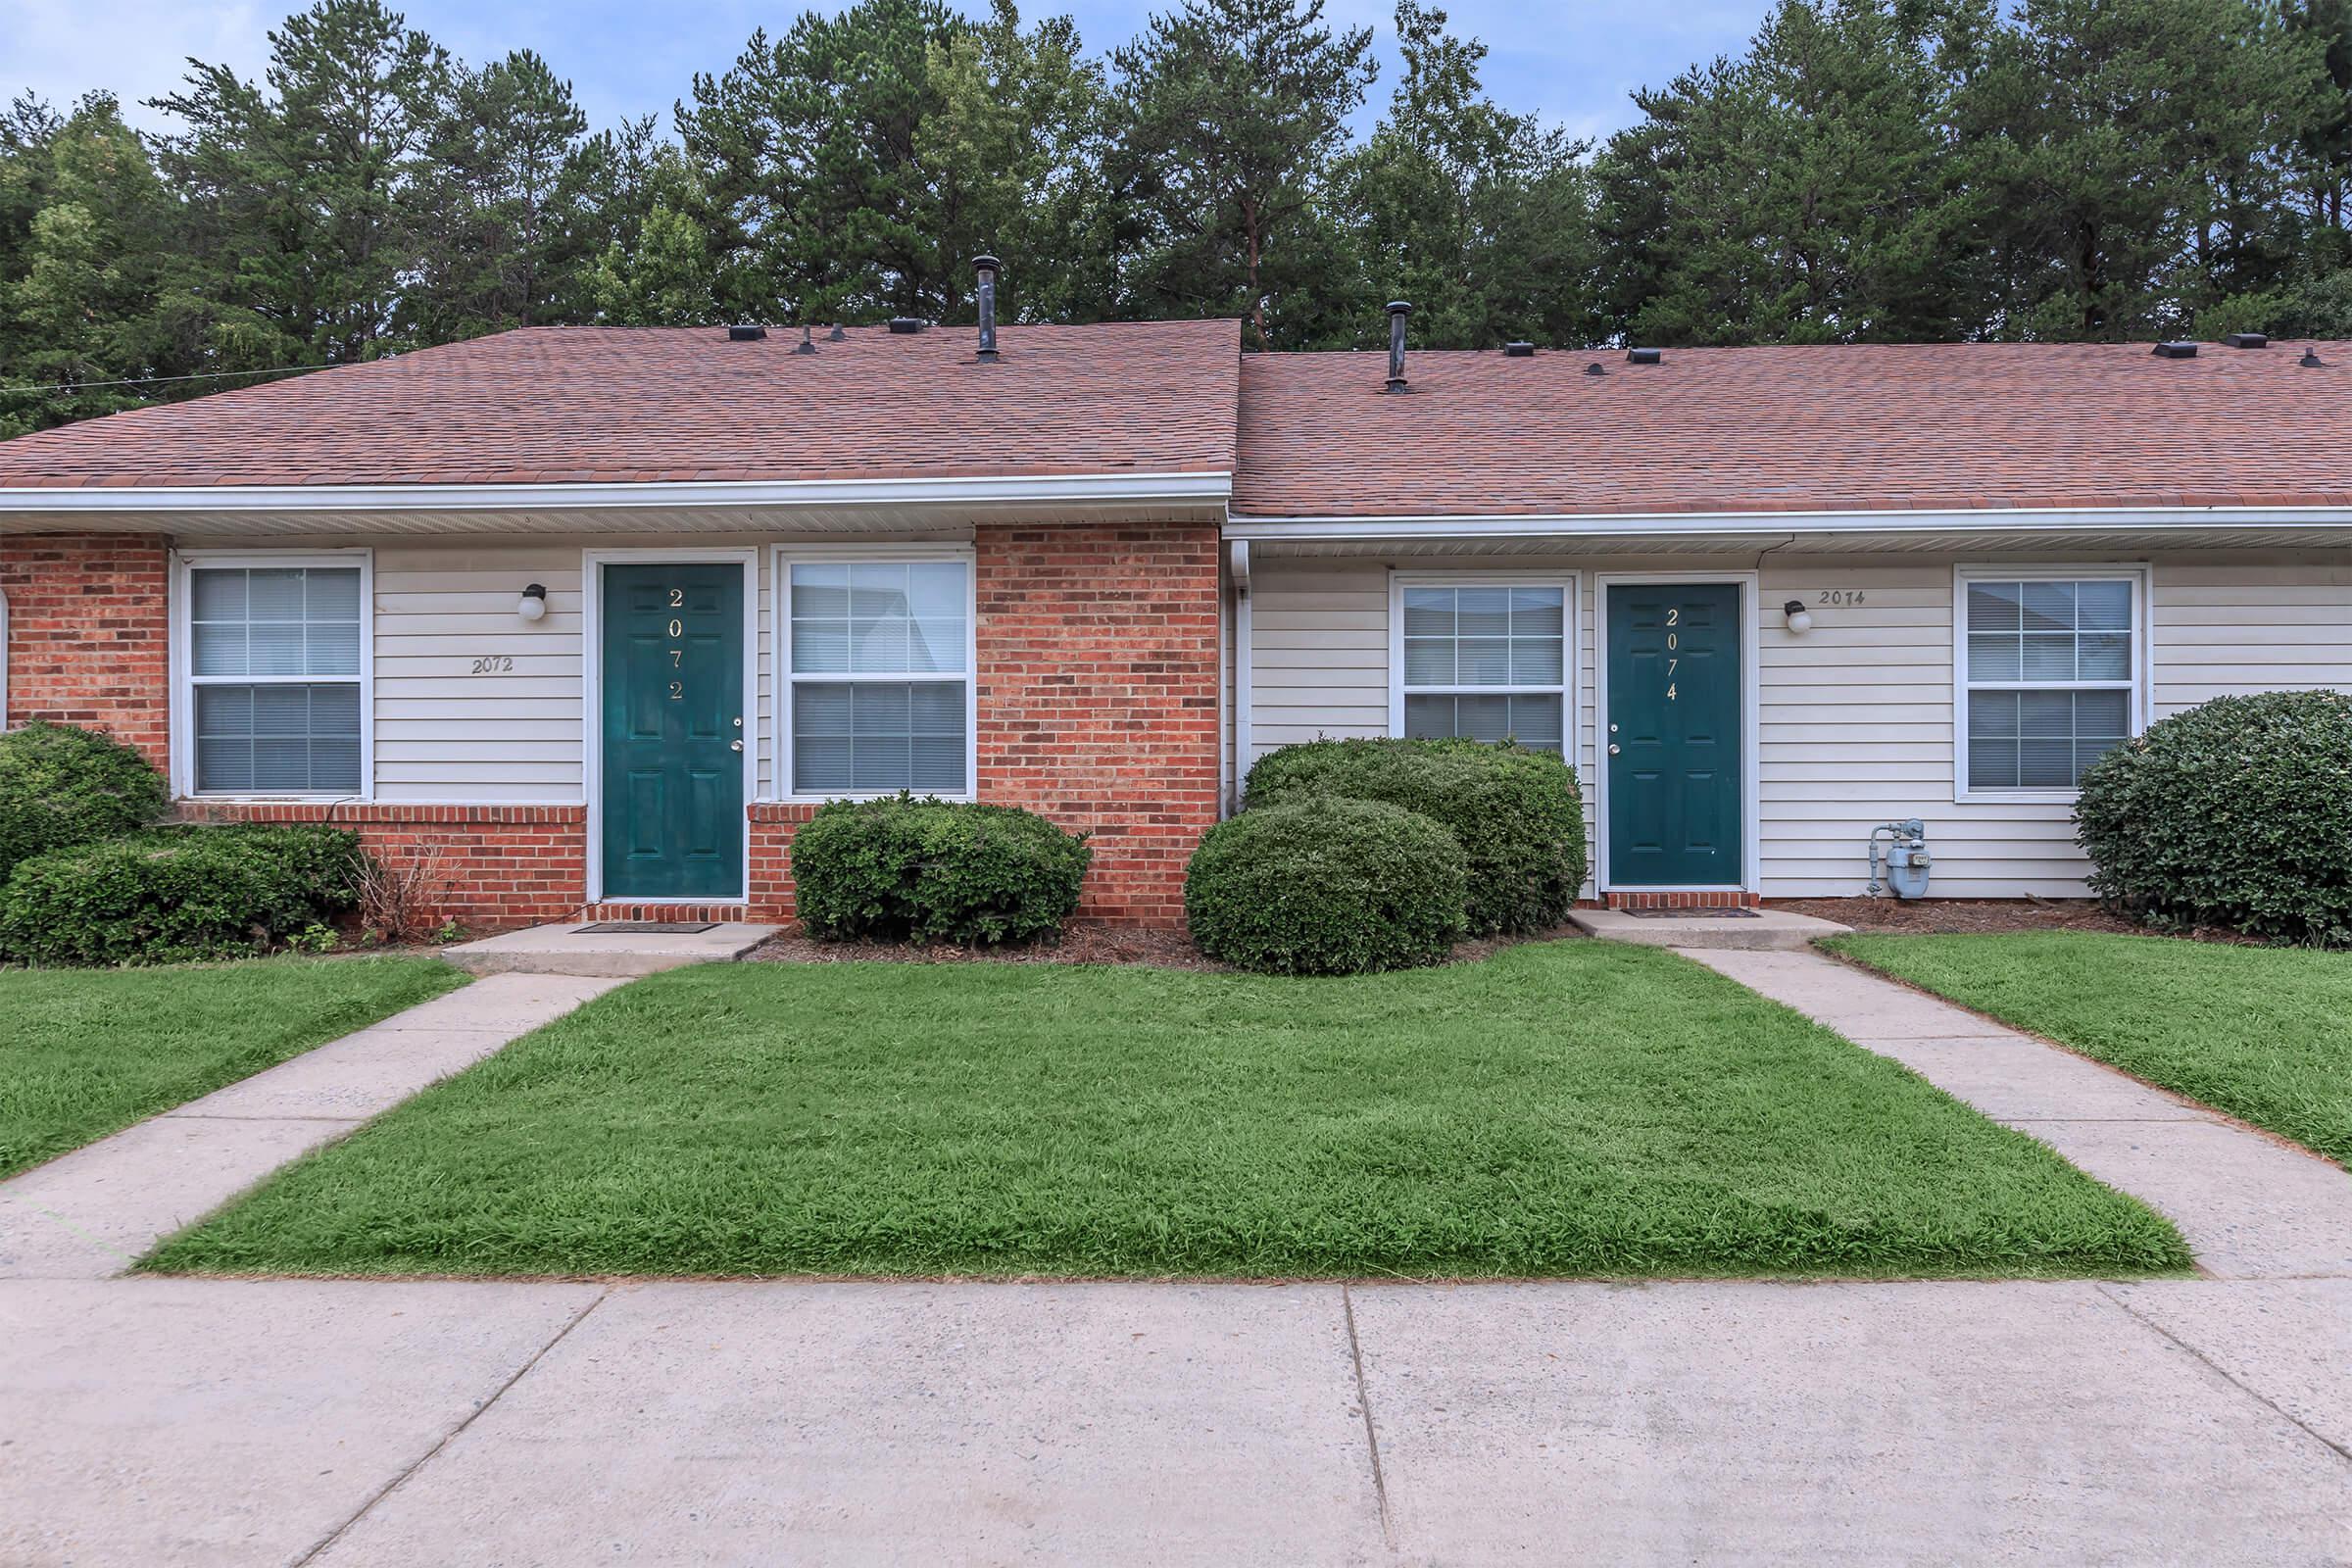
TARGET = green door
x,y
673,732
1674,735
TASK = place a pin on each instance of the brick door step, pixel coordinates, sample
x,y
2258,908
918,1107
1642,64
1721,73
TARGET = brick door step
x,y
1755,930
571,947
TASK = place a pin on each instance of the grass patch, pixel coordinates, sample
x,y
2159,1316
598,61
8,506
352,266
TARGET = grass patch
x,y
1561,1109
84,1053
2263,1033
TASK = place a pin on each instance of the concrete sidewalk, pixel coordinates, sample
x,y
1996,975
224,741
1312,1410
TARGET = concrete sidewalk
x,y
2251,1207
92,1212
219,1422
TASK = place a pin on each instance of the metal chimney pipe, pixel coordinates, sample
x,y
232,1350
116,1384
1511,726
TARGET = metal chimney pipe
x,y
1398,309
987,266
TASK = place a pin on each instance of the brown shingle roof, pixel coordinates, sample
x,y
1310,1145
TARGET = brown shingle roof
x,y
1863,427
552,405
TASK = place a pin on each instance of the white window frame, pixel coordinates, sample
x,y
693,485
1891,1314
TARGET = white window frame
x,y
2137,714
184,566
593,563
1571,726
786,557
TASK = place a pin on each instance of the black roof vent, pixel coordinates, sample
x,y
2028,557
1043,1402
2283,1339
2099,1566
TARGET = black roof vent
x,y
906,325
1597,368
746,333
837,334
1519,349
2175,351
2248,340
1644,355
2311,361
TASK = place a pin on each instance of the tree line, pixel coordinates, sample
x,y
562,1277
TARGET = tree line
x,y
1866,170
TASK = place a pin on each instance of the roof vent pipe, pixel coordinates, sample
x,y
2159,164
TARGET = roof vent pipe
x,y
1398,309
2311,361
987,293
807,347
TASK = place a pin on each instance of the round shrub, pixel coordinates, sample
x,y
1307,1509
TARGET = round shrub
x,y
929,871
170,893
60,786
1516,812
1326,885
2236,813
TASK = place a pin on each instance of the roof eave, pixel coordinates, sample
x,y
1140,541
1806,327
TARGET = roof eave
x,y
961,493
1580,525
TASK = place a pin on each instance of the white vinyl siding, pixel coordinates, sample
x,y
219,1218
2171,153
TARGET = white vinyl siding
x,y
1856,722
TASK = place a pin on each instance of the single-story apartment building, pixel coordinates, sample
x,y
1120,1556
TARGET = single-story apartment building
x,y
601,613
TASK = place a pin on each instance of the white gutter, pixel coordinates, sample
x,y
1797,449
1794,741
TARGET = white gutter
x,y
1244,686
306,498
1990,520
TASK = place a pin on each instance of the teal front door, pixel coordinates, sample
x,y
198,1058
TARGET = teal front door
x,y
673,731
1673,736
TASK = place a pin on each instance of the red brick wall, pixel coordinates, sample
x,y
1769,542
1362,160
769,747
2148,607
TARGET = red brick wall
x,y
89,634
1097,695
506,865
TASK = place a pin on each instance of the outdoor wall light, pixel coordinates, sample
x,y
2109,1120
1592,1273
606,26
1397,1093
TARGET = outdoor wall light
x,y
1799,619
533,603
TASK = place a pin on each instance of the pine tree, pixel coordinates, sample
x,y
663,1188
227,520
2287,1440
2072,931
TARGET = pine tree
x,y
1230,116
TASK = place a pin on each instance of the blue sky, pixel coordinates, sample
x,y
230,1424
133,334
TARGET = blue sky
x,y
1574,62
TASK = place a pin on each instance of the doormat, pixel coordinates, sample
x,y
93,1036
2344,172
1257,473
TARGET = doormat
x,y
1702,912
646,928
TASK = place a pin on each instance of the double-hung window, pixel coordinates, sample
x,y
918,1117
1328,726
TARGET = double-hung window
x,y
275,662
1487,662
2051,671
877,665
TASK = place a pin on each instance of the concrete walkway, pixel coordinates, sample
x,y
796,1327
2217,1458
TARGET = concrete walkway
x,y
216,1422
94,1211
2250,1207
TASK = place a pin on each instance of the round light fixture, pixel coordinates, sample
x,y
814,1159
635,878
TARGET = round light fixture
x,y
1799,619
533,603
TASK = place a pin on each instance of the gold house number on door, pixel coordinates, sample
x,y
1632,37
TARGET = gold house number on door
x,y
1674,617
677,655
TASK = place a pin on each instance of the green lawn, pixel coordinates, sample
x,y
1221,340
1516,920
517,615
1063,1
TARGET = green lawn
x,y
84,1053
1564,1109
2263,1033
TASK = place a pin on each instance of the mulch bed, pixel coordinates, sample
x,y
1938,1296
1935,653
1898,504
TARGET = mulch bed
x,y
1084,942
1945,916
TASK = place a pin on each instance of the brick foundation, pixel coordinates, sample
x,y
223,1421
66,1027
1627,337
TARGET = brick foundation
x,y
506,865
1733,899
1098,696
89,634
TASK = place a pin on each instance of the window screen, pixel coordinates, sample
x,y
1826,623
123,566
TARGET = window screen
x,y
274,653
879,678
2050,679
1487,662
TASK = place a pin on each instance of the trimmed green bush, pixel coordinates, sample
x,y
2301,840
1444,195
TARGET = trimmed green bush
x,y
2235,813
1327,885
931,870
1516,812
61,786
170,894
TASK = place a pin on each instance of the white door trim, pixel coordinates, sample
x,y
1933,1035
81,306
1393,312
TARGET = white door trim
x,y
1751,689
592,716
